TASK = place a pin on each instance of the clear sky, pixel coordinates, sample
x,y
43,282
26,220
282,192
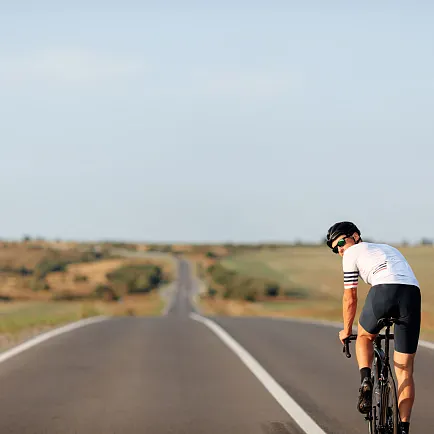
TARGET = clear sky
x,y
216,121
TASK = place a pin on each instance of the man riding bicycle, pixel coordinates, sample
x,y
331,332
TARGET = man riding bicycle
x,y
394,293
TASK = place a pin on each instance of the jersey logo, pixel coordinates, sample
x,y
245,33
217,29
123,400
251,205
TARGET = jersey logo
x,y
380,267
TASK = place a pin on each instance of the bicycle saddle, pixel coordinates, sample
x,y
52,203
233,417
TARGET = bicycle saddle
x,y
387,321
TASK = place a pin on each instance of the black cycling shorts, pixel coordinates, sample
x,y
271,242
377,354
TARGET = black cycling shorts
x,y
397,301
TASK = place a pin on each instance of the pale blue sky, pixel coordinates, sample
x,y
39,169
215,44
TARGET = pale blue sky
x,y
193,122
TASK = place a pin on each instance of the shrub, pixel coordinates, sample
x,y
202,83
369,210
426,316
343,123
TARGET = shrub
x,y
272,289
80,278
250,296
49,266
125,246
155,276
142,284
5,298
66,296
242,286
136,278
212,292
166,248
39,285
227,293
24,271
426,241
106,293
93,255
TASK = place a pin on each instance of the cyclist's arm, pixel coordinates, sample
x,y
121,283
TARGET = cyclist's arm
x,y
349,307
349,301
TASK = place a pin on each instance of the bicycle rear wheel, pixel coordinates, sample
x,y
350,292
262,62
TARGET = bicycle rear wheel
x,y
376,396
392,411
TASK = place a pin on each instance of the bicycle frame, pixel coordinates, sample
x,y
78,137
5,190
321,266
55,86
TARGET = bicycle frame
x,y
382,370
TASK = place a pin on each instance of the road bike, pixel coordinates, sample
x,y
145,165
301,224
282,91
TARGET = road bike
x,y
384,415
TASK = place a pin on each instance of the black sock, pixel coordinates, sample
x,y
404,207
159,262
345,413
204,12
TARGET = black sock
x,y
406,426
365,372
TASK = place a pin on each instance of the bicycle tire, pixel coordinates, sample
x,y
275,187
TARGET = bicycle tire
x,y
388,413
376,396
393,416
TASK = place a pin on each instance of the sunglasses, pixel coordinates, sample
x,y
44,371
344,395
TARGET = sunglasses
x,y
341,243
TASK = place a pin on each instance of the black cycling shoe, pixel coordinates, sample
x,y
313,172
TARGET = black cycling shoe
x,y
365,398
403,429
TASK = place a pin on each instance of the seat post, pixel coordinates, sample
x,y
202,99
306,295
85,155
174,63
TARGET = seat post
x,y
386,344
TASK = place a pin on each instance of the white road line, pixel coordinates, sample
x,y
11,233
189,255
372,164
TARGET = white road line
x,y
47,335
425,344
280,395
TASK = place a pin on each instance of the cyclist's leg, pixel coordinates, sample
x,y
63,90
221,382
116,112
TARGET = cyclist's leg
x,y
368,327
406,342
367,331
364,347
365,356
404,365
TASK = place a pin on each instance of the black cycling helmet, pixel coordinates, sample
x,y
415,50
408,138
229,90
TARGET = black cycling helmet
x,y
341,228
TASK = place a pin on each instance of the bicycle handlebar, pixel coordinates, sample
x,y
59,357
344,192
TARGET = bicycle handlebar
x,y
347,341
350,338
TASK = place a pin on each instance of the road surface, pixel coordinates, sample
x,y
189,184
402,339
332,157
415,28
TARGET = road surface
x,y
174,375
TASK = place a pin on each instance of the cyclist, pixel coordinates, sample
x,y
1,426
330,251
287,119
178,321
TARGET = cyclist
x,y
395,293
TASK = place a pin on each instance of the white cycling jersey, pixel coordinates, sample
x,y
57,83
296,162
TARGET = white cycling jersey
x,y
376,264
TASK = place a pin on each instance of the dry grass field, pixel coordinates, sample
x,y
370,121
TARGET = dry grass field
x,y
22,320
25,312
316,272
14,255
79,278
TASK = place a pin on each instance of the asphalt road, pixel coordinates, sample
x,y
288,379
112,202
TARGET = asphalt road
x,y
174,375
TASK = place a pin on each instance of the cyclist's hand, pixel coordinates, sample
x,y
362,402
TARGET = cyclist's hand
x,y
343,335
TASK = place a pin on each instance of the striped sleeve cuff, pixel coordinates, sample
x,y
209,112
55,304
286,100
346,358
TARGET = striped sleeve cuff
x,y
351,279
